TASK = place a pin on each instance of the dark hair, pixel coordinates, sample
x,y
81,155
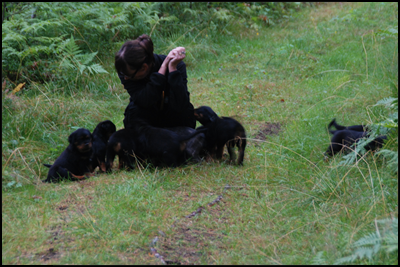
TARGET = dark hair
x,y
134,53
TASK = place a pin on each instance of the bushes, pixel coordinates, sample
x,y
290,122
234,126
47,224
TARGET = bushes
x,y
35,34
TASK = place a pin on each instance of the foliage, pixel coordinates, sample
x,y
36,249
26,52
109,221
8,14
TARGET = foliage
x,y
391,122
71,58
32,32
367,247
389,126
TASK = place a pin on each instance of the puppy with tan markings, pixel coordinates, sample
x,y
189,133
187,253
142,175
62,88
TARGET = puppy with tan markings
x,y
74,162
221,131
144,142
193,146
101,134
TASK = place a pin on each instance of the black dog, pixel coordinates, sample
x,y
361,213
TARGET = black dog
x,y
345,137
101,134
160,146
221,131
74,162
193,145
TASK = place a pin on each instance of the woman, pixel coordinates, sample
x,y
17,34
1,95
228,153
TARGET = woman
x,y
157,85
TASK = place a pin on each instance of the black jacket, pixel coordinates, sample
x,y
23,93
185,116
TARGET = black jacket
x,y
147,101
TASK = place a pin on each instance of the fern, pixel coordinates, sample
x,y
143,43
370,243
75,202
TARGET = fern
x,y
319,259
386,127
367,247
393,159
388,102
71,58
25,37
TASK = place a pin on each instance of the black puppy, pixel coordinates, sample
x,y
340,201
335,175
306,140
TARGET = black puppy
x,y
345,137
221,131
193,145
74,162
101,134
160,146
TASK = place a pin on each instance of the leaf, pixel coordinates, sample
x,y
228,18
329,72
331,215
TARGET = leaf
x,y
96,68
387,102
18,88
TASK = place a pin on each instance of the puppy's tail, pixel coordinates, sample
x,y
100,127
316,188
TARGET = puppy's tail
x,y
47,165
331,123
337,126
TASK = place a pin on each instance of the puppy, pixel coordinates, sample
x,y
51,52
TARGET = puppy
x,y
345,137
101,134
160,146
123,144
220,132
74,162
193,146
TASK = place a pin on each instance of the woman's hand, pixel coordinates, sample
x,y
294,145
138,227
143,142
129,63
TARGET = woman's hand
x,y
175,57
164,65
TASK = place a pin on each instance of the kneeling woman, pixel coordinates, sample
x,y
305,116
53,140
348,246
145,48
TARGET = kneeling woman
x,y
157,85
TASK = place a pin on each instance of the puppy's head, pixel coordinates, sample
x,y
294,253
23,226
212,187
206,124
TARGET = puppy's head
x,y
205,115
81,140
106,128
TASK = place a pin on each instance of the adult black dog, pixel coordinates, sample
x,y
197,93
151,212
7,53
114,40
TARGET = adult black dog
x,y
101,134
220,132
74,162
144,142
345,137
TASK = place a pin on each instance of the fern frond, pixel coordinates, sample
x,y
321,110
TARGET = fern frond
x,y
69,47
369,245
85,59
347,259
393,158
66,63
35,27
11,37
387,102
96,68
369,239
82,68
319,259
9,51
392,242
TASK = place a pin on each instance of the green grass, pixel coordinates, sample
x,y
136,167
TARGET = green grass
x,y
285,205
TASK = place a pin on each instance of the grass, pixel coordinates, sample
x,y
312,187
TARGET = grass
x,y
284,206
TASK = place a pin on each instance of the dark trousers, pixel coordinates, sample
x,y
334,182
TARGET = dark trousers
x,y
162,119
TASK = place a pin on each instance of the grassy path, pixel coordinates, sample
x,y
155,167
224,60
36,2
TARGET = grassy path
x,y
284,206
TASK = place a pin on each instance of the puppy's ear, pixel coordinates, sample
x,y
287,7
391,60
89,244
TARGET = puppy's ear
x,y
72,138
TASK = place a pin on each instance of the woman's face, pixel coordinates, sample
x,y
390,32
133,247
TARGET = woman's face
x,y
137,74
